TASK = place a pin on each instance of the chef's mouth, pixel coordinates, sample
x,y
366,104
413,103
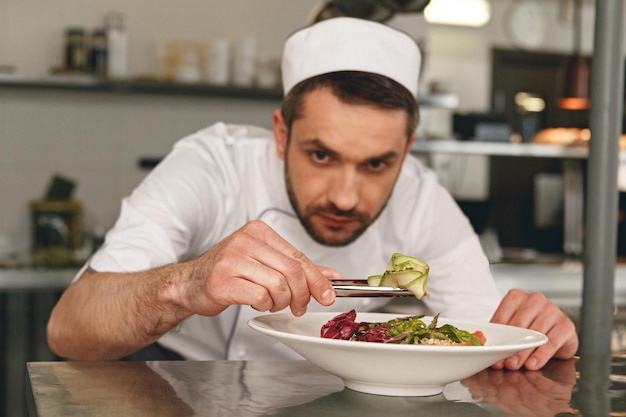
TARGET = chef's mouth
x,y
337,221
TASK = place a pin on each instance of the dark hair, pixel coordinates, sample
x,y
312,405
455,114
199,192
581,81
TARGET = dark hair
x,y
354,87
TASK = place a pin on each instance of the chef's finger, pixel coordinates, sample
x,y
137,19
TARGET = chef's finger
x,y
519,308
517,361
275,285
303,276
329,273
562,344
304,280
538,314
317,283
244,292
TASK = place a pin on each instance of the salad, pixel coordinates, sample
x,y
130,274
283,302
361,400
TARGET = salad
x,y
403,330
406,272
410,273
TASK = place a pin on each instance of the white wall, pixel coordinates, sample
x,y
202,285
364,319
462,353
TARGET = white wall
x,y
32,33
96,138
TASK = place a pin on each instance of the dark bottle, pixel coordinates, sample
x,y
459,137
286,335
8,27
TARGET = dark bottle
x,y
98,53
75,50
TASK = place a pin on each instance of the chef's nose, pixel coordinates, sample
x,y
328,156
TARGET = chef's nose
x,y
344,190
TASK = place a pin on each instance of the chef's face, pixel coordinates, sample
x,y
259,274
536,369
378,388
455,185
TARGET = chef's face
x,y
341,163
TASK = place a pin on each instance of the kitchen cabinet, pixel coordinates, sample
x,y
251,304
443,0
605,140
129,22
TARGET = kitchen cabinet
x,y
27,297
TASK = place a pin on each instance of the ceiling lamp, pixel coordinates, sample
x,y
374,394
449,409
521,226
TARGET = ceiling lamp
x,y
576,87
576,91
474,13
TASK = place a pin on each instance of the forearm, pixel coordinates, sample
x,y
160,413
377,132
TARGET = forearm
x,y
110,315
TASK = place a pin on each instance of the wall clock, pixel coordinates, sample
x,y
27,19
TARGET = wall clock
x,y
526,23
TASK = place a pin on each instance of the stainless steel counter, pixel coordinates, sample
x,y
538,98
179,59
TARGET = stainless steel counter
x,y
293,388
297,388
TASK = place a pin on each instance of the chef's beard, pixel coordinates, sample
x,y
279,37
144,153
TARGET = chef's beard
x,y
317,235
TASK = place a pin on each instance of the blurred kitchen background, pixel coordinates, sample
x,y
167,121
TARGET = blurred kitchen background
x,y
93,94
60,121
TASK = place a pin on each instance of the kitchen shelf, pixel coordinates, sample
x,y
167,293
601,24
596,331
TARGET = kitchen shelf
x,y
535,150
94,84
89,83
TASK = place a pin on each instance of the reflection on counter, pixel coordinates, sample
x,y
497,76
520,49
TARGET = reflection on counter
x,y
589,386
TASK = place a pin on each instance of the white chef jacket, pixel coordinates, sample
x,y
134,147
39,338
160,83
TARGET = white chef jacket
x,y
216,180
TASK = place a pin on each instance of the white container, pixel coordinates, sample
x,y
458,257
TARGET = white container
x,y
244,61
188,70
117,46
218,65
267,73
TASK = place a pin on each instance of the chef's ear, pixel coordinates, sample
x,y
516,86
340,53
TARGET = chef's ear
x,y
409,143
280,133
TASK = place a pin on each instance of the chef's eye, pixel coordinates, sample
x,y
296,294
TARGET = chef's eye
x,y
320,156
376,164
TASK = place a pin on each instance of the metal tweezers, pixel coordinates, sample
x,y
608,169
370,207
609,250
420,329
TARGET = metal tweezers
x,y
359,288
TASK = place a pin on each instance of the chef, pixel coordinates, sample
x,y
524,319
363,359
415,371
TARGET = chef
x,y
237,220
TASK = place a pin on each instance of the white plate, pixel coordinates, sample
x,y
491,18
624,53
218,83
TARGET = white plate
x,y
393,369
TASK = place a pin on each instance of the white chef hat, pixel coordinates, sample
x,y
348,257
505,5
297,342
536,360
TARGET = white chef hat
x,y
350,44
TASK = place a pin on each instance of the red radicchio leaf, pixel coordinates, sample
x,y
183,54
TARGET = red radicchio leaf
x,y
377,333
342,326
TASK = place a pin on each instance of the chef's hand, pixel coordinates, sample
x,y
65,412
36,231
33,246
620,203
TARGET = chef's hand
x,y
534,311
254,266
